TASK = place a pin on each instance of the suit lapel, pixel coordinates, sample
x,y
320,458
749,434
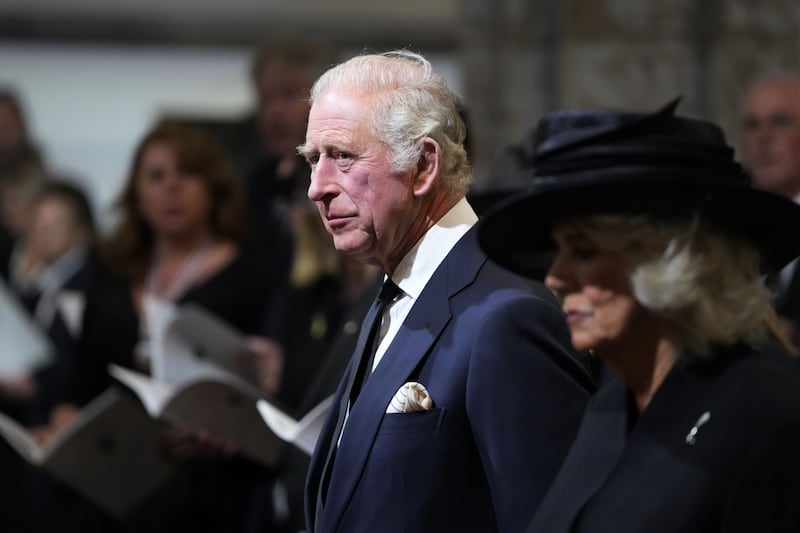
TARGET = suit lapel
x,y
598,446
429,316
608,453
318,458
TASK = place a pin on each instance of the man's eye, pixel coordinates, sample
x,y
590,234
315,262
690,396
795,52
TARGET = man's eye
x,y
312,159
780,121
750,124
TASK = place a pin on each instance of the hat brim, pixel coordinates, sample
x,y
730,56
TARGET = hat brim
x,y
516,233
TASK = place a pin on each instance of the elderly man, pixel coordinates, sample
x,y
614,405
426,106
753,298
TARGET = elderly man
x,y
772,154
473,397
772,135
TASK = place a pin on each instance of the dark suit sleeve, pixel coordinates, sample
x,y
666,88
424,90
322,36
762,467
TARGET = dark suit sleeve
x,y
525,398
765,496
109,333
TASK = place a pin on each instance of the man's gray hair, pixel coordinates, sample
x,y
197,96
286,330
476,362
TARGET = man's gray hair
x,y
409,101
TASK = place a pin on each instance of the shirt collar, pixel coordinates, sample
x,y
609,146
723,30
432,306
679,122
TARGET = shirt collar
x,y
418,265
55,275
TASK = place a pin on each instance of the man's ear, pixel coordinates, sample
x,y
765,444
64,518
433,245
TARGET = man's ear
x,y
428,167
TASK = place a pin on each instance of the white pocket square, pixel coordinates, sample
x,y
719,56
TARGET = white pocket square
x,y
410,397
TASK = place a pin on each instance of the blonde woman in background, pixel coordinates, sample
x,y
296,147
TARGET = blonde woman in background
x,y
660,246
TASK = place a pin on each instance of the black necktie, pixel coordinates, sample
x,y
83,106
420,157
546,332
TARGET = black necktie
x,y
365,351
386,296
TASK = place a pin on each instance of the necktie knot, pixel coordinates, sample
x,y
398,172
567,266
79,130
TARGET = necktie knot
x,y
389,291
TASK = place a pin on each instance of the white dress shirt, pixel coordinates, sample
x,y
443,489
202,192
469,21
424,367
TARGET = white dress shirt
x,y
415,270
418,265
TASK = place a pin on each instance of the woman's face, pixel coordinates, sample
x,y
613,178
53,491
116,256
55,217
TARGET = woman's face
x,y
595,290
175,203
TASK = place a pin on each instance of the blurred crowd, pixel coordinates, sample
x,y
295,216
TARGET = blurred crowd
x,y
221,218
205,217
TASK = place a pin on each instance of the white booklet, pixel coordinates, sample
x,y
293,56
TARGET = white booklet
x,y
302,433
216,401
109,452
191,342
24,345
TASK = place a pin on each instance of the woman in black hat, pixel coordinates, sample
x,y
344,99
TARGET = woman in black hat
x,y
660,246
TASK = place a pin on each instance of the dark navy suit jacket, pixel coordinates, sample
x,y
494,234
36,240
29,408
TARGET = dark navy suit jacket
x,y
740,474
508,397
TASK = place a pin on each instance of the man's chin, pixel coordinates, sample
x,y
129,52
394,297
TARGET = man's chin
x,y
354,248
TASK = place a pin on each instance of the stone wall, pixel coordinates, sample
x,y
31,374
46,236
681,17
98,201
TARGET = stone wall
x,y
519,58
524,58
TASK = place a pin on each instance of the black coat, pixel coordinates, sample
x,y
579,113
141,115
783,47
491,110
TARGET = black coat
x,y
741,474
206,495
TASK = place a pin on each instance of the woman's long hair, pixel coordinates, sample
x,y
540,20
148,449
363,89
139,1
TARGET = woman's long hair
x,y
129,249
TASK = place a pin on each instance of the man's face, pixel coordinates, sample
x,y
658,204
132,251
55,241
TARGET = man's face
x,y
772,136
365,205
283,108
54,230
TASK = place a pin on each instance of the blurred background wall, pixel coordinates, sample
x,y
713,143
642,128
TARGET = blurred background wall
x,y
93,76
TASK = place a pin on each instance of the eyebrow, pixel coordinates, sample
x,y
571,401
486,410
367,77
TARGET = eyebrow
x,y
304,149
771,115
338,144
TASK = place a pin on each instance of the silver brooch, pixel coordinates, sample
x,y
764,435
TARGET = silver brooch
x,y
690,437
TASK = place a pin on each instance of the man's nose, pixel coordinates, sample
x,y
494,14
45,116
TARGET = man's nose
x,y
763,131
322,181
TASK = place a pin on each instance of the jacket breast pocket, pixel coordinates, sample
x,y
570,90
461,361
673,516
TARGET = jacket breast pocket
x,y
416,422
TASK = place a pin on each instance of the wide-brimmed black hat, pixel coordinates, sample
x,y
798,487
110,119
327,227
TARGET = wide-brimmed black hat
x,y
607,162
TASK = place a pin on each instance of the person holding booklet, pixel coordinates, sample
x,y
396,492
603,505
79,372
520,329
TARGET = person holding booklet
x,y
58,247
178,242
59,243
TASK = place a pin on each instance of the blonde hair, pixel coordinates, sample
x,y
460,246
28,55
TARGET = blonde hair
x,y
315,255
409,101
704,281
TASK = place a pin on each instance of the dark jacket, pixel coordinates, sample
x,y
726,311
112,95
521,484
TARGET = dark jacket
x,y
508,396
739,472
